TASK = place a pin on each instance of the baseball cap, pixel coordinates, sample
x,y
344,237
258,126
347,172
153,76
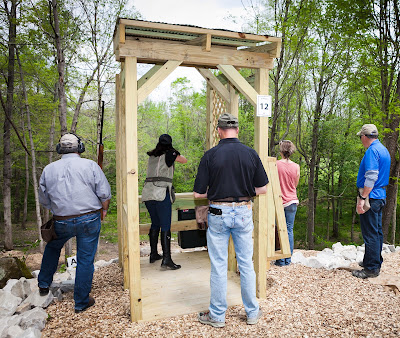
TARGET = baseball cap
x,y
69,141
227,121
369,130
165,139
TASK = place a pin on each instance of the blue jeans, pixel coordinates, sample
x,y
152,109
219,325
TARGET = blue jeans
x,y
160,213
238,222
290,214
86,229
371,229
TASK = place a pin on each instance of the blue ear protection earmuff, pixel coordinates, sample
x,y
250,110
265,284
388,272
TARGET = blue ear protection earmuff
x,y
80,149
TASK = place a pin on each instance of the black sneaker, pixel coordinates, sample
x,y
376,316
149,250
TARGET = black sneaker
x,y
363,274
43,291
90,303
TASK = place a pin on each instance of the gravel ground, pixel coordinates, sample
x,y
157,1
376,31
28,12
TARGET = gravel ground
x,y
301,302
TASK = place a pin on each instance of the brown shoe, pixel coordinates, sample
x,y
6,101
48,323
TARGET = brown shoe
x,y
90,303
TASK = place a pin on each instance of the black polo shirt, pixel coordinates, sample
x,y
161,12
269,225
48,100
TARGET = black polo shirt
x,y
230,169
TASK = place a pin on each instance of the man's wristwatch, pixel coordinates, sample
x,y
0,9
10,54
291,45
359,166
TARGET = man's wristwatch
x,y
359,195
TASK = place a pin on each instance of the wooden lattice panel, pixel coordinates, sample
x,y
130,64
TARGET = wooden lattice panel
x,y
219,108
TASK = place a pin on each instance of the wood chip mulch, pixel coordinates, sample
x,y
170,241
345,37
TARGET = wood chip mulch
x,y
301,302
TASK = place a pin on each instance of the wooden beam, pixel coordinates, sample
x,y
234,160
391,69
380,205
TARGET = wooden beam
x,y
233,105
117,110
197,30
279,211
121,33
209,117
132,193
121,154
159,76
160,51
203,40
175,226
239,82
213,81
148,75
261,211
273,49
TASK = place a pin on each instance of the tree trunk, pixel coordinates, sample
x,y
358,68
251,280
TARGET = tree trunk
x,y
12,15
62,105
34,174
17,197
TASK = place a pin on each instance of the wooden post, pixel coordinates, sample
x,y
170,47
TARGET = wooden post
x,y
261,202
118,167
132,196
124,220
209,118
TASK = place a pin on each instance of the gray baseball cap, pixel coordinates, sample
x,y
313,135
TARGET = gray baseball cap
x,y
369,130
228,121
69,141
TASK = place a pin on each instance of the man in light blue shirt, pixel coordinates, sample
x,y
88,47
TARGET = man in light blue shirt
x,y
76,191
372,179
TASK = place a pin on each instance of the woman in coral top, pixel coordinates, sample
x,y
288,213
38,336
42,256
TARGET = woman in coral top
x,y
289,174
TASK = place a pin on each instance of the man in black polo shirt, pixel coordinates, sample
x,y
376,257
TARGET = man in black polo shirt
x,y
230,175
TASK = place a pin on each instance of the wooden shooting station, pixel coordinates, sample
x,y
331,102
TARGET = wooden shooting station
x,y
156,294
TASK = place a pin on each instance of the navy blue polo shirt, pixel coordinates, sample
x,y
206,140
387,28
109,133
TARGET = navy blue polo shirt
x,y
230,169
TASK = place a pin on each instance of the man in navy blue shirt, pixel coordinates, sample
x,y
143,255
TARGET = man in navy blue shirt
x,y
230,175
372,179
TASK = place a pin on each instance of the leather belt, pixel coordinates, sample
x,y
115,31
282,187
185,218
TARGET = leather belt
x,y
231,203
234,199
62,218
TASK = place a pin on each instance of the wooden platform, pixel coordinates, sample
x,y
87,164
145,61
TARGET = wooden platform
x,y
187,290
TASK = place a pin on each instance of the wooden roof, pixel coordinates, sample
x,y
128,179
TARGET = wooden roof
x,y
155,42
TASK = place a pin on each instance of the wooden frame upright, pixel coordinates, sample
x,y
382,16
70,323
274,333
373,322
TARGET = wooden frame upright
x,y
168,46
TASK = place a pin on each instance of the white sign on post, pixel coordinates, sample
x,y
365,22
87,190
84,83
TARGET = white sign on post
x,y
71,262
264,105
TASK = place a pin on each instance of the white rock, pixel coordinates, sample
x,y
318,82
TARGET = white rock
x,y
397,248
23,307
35,299
59,277
360,256
8,303
30,333
67,286
33,284
114,260
19,288
35,318
6,322
361,248
341,263
350,253
35,273
314,262
391,248
327,250
12,331
101,264
298,258
337,246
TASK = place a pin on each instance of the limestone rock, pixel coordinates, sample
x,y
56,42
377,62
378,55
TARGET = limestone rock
x,y
30,333
13,331
6,322
8,303
36,300
19,288
35,318
12,268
